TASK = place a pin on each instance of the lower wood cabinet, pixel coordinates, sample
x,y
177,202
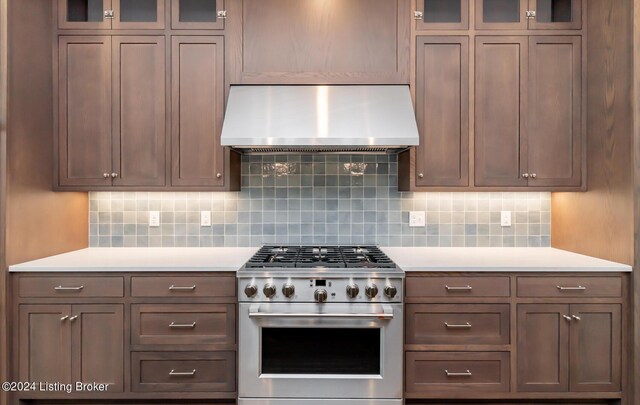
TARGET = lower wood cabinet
x,y
72,343
564,347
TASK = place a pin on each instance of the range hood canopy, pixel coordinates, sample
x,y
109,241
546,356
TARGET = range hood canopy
x,y
367,118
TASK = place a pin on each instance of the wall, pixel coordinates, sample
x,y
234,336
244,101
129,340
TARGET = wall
x,y
323,199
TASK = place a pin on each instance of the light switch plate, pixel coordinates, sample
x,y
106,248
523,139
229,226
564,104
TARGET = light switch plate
x,y
417,219
505,219
154,219
205,218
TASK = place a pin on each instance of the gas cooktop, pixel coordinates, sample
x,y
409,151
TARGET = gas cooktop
x,y
319,257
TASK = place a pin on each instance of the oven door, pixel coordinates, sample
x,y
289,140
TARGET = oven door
x,y
320,351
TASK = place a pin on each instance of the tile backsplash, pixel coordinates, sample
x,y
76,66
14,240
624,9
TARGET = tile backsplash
x,y
319,199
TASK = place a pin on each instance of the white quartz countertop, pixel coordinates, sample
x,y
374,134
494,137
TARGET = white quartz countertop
x,y
141,259
498,259
232,259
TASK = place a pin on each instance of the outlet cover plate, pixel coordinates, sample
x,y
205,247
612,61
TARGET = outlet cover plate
x,y
505,219
417,219
154,219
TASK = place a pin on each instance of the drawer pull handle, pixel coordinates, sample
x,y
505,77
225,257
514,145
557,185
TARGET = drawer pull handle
x,y
454,326
578,288
178,288
465,374
174,373
463,288
182,325
61,288
64,318
73,318
567,317
576,317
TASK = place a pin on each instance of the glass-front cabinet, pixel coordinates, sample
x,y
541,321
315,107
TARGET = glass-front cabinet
x,y
198,14
442,15
111,14
528,14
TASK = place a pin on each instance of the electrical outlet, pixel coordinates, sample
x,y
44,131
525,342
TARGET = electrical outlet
x,y
505,219
417,219
205,218
154,219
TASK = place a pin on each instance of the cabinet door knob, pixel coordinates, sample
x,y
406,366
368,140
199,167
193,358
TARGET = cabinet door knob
x,y
533,175
222,14
106,175
114,175
530,14
420,175
418,15
219,175
576,317
109,14
64,318
525,175
73,318
567,317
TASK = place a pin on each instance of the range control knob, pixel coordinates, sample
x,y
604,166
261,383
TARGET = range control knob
x,y
390,291
353,290
269,290
251,290
320,296
288,290
371,290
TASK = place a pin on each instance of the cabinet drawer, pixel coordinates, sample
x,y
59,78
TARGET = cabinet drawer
x,y
429,372
457,286
183,286
71,287
571,286
183,324
464,324
183,371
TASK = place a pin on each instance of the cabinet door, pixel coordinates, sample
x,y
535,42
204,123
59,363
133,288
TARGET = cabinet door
x,y
556,14
500,106
596,347
442,15
45,343
442,109
139,111
84,104
198,14
138,14
83,14
98,345
197,110
543,348
501,14
554,135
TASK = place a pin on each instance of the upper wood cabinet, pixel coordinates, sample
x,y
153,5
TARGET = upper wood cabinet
x,y
532,134
197,110
320,42
528,14
442,15
111,14
198,14
442,111
111,111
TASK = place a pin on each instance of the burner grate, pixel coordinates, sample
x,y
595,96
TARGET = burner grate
x,y
348,257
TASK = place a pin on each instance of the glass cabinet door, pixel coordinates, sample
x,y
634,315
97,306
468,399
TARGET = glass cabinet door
x,y
198,14
138,14
442,15
84,14
556,14
501,14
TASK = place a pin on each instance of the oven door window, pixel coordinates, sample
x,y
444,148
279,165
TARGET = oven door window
x,y
321,351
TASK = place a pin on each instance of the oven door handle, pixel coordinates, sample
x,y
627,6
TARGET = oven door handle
x,y
254,312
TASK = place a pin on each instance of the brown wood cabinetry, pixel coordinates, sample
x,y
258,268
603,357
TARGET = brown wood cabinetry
x,y
442,111
70,343
528,14
111,14
548,337
112,111
569,347
531,135
144,335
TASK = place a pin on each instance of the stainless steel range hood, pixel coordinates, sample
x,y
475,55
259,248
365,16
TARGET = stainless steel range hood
x,y
268,119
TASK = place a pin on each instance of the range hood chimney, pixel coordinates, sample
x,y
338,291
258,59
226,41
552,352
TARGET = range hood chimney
x,y
359,118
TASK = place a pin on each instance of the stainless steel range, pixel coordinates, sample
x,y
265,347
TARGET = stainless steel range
x,y
320,325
